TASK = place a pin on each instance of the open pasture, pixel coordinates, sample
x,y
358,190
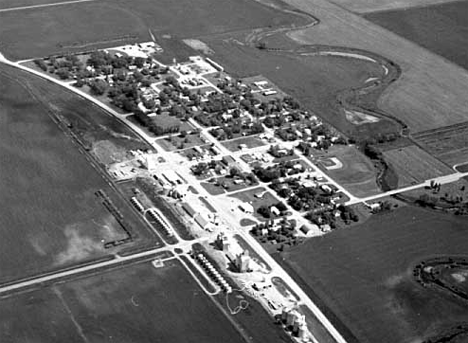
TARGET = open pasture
x,y
165,305
430,93
363,275
88,25
49,212
440,28
414,165
449,144
358,174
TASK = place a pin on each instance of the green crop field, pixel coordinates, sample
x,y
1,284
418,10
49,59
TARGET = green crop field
x,y
449,143
49,212
138,303
440,28
88,25
363,275
414,165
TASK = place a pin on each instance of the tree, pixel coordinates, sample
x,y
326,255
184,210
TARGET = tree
x,y
139,62
98,87
233,172
264,211
63,73
41,64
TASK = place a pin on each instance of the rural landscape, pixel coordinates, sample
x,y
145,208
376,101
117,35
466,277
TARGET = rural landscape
x,y
234,171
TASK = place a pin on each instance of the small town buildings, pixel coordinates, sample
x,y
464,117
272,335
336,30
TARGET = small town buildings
x,y
228,160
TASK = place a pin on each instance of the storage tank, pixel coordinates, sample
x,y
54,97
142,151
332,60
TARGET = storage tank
x,y
300,321
302,333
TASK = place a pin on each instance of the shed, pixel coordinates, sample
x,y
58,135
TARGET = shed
x,y
228,160
189,209
200,220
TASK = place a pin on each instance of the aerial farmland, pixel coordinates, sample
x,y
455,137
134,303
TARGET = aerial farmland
x,y
233,171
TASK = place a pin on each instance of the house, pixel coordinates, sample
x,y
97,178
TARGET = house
x,y
259,195
246,207
274,210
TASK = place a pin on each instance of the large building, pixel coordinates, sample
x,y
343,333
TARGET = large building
x,y
243,262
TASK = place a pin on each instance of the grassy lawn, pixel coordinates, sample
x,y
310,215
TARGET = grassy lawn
x,y
357,175
250,141
249,197
176,142
212,189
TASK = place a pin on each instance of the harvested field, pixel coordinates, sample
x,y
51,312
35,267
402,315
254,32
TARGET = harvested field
x,y
414,165
61,29
358,174
368,6
449,144
6,4
440,28
362,276
431,92
166,305
49,210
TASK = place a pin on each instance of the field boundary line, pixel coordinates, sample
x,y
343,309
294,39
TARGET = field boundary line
x,y
21,8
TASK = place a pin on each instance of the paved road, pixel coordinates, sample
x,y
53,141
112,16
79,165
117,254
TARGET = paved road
x,y
442,180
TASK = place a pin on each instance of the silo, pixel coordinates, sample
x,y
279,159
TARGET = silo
x,y
292,316
284,314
